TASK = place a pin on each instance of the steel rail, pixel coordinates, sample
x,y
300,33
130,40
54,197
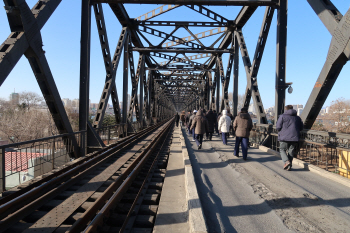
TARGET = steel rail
x,y
132,213
21,206
6,198
118,194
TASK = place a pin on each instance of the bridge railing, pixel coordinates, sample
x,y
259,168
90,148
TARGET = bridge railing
x,y
327,150
112,133
20,162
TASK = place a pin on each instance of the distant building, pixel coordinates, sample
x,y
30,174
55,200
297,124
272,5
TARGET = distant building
x,y
297,106
94,106
327,109
67,102
14,98
299,111
75,103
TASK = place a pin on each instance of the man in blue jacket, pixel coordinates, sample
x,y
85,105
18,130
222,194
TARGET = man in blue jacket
x,y
289,126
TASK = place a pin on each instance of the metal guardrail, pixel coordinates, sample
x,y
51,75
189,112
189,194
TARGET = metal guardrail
x,y
327,150
20,162
112,133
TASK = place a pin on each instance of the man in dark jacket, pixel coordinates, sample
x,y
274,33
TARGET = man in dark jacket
x,y
216,125
200,126
187,120
242,126
182,118
177,118
289,126
211,118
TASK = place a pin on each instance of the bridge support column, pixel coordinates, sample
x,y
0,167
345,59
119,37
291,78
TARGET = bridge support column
x,y
235,77
280,95
84,72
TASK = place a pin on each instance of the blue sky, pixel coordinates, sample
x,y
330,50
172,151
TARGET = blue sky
x,y
308,43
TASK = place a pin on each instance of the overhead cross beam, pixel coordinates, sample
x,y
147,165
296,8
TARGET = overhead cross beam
x,y
198,2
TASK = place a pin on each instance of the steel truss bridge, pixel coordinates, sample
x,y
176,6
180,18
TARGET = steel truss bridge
x,y
179,82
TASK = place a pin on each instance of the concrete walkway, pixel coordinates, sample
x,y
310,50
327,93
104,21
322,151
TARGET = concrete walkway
x,y
257,195
172,215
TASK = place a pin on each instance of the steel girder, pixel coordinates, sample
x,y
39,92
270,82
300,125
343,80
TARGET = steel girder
x,y
252,69
111,67
338,55
281,53
198,2
25,38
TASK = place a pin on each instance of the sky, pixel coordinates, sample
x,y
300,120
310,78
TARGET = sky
x,y
308,42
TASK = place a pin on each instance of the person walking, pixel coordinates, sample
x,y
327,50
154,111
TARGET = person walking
x,y
216,123
224,126
182,118
211,118
242,126
199,126
177,118
289,126
232,118
190,124
187,119
219,115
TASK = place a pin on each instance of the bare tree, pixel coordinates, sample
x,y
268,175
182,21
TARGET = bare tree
x,y
19,125
240,101
30,99
338,117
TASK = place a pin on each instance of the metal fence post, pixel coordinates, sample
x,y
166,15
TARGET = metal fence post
x,y
2,170
109,135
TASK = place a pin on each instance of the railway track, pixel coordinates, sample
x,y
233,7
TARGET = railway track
x,y
116,189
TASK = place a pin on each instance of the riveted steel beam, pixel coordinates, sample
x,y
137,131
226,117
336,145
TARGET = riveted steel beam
x,y
281,54
327,12
182,23
84,84
17,43
111,68
156,12
338,55
179,50
250,90
167,36
26,39
208,13
172,58
135,81
198,2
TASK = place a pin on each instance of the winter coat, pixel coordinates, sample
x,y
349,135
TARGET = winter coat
x,y
243,125
182,117
211,117
224,122
177,117
199,123
289,126
187,119
230,115
191,120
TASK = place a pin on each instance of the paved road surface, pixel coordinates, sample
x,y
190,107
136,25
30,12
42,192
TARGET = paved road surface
x,y
257,195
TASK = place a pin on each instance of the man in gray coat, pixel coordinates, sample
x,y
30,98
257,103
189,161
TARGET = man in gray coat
x,y
289,126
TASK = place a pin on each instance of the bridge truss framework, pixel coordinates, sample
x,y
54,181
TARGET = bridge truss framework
x,y
179,83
